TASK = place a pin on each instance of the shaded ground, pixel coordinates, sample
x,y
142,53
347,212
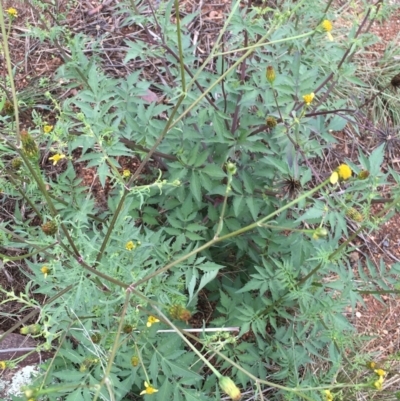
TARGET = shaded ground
x,y
37,61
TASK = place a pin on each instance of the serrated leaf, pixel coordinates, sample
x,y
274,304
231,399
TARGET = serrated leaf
x,y
195,187
103,172
165,391
313,213
180,370
214,171
250,286
238,205
376,160
253,206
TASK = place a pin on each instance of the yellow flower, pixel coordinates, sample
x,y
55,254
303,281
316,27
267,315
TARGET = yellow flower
x,y
56,158
148,389
130,245
151,320
308,98
327,25
126,173
380,372
3,365
45,270
344,172
47,128
371,365
328,395
12,12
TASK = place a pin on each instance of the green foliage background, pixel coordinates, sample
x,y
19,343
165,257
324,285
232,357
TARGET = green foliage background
x,y
238,237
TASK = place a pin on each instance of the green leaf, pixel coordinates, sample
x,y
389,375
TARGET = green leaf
x,y
214,171
254,207
195,187
165,391
376,160
103,172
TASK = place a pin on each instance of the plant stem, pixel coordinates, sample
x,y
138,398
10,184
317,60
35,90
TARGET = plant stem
x,y
10,74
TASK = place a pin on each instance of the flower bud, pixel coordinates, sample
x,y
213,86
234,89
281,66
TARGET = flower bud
x,y
9,108
270,74
34,328
353,214
16,163
96,338
231,168
24,330
179,312
229,388
28,144
320,232
128,328
363,175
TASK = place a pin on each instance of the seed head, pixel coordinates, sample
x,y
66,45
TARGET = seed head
x,y
50,228
271,122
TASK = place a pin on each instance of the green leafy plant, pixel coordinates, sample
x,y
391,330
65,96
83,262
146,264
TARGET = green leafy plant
x,y
239,207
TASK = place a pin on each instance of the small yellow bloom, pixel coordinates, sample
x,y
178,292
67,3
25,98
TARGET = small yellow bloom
x,y
327,25
12,12
45,270
47,128
308,98
56,158
380,372
344,172
328,395
151,320
126,173
3,365
130,246
148,389
371,365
